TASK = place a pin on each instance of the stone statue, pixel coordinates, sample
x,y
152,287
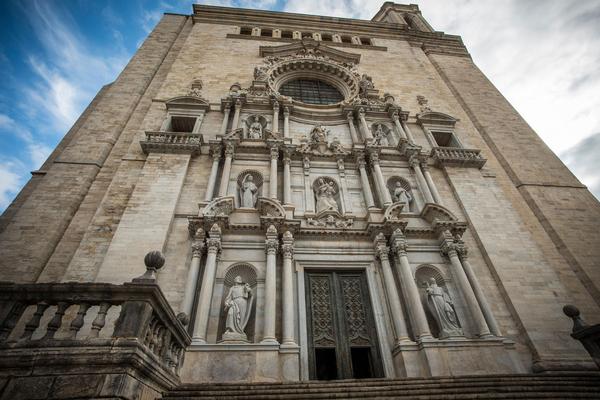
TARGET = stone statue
x,y
238,305
248,192
440,305
325,196
402,195
318,134
255,129
379,136
366,83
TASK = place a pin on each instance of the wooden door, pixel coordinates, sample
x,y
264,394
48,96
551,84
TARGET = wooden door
x,y
341,330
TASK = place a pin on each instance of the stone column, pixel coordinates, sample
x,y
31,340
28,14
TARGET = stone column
x,y
213,246
430,184
226,111
364,180
346,204
384,193
450,249
236,115
353,134
367,135
192,276
416,166
271,246
287,289
398,125
212,180
273,173
409,135
275,116
410,290
308,191
478,291
229,150
286,122
287,178
382,251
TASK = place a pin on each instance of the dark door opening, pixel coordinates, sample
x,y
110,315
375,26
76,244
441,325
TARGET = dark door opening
x,y
342,336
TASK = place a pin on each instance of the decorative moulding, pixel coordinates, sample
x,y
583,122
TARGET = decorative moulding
x,y
309,46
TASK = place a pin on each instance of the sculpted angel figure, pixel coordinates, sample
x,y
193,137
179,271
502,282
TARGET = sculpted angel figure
x,y
325,196
440,305
255,129
402,195
248,192
238,305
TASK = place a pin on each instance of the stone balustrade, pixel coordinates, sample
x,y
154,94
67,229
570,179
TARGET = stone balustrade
x,y
172,142
589,336
50,313
457,156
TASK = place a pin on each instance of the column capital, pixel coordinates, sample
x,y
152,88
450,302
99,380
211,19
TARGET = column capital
x,y
361,112
398,242
271,246
306,164
340,164
350,116
275,105
238,104
381,249
197,248
213,243
287,247
274,151
360,160
449,248
374,156
229,149
286,111
215,150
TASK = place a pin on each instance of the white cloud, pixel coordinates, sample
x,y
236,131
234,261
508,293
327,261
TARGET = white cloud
x,y
37,151
10,181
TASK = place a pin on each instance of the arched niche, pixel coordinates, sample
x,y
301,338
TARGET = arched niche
x,y
248,274
325,188
245,188
255,127
423,274
382,134
395,184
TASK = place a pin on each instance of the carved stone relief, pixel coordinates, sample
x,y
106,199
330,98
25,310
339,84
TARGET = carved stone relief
x,y
326,190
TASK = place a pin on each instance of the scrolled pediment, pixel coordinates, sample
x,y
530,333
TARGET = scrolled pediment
x,y
187,102
309,47
434,213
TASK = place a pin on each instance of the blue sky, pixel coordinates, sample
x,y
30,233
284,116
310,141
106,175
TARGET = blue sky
x,y
543,55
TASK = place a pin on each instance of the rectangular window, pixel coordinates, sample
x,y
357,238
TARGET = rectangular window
x,y
244,30
287,34
366,41
445,139
326,37
266,32
346,39
183,124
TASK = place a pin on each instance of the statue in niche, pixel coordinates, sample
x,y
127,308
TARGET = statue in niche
x,y
238,306
379,136
318,134
440,305
325,196
401,195
248,192
256,129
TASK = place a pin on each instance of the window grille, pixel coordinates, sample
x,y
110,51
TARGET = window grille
x,y
311,91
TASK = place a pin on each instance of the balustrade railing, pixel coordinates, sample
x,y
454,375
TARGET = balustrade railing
x,y
172,142
457,156
52,314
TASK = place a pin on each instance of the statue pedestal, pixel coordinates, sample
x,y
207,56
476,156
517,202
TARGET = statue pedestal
x,y
234,338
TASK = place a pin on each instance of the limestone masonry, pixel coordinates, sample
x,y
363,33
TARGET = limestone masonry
x,y
333,198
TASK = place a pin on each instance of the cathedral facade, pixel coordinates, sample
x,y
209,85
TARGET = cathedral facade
x,y
333,198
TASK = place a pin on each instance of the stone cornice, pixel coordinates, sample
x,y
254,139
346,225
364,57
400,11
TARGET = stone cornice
x,y
434,42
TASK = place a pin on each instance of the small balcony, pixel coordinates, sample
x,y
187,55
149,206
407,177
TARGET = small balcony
x,y
458,157
172,142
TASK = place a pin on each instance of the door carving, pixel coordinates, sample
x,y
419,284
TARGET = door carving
x,y
342,337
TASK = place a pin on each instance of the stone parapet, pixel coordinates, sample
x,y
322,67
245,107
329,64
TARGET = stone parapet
x,y
72,327
456,156
172,142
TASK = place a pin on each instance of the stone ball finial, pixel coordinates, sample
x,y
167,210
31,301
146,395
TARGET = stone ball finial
x,y
573,312
154,260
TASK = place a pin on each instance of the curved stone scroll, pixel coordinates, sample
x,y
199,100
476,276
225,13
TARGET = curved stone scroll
x,y
248,195
271,212
434,212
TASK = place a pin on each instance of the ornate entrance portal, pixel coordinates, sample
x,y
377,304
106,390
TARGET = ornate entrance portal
x,y
342,337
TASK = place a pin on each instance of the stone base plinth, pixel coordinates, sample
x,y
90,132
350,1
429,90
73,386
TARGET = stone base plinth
x,y
225,362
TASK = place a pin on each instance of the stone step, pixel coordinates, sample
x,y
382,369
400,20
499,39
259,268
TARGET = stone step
x,y
547,386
